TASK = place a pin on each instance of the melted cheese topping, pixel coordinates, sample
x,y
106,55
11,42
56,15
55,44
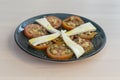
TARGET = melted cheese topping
x,y
42,39
47,25
82,28
76,48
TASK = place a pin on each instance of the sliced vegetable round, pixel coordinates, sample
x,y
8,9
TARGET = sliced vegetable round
x,y
54,21
34,30
88,35
59,52
86,44
72,22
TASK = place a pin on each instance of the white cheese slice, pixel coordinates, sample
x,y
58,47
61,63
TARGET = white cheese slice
x,y
42,39
82,28
44,22
77,49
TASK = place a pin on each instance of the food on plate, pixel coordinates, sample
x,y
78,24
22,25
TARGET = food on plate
x,y
34,30
54,21
59,52
45,23
72,22
86,44
42,46
76,48
82,28
43,39
73,39
88,35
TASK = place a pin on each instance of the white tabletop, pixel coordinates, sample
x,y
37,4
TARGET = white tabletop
x,y
15,64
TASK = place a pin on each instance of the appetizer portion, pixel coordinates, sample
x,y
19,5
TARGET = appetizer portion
x,y
88,35
45,23
59,52
86,44
42,46
54,21
34,30
72,22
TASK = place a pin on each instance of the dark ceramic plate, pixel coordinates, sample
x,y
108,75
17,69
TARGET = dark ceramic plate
x,y
22,41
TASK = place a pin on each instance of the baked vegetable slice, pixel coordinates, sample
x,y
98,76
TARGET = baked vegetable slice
x,y
34,30
59,52
54,21
86,44
72,22
88,35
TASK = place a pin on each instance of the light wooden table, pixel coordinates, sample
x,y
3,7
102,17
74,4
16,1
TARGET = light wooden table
x,y
15,64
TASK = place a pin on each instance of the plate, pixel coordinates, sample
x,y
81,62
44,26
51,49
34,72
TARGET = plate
x,y
98,42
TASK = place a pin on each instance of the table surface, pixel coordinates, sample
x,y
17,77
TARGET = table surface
x,y
15,64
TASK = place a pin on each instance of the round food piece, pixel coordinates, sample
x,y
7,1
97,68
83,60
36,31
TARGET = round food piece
x,y
72,22
59,52
86,44
88,35
34,30
42,46
54,21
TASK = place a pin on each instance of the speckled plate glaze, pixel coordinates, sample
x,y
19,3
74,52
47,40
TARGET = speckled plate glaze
x,y
22,41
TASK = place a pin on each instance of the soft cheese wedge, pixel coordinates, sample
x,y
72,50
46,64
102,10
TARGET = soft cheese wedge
x,y
44,22
82,28
42,39
77,49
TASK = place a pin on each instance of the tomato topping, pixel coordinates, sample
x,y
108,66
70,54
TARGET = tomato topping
x,y
54,21
72,22
34,30
88,35
86,44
